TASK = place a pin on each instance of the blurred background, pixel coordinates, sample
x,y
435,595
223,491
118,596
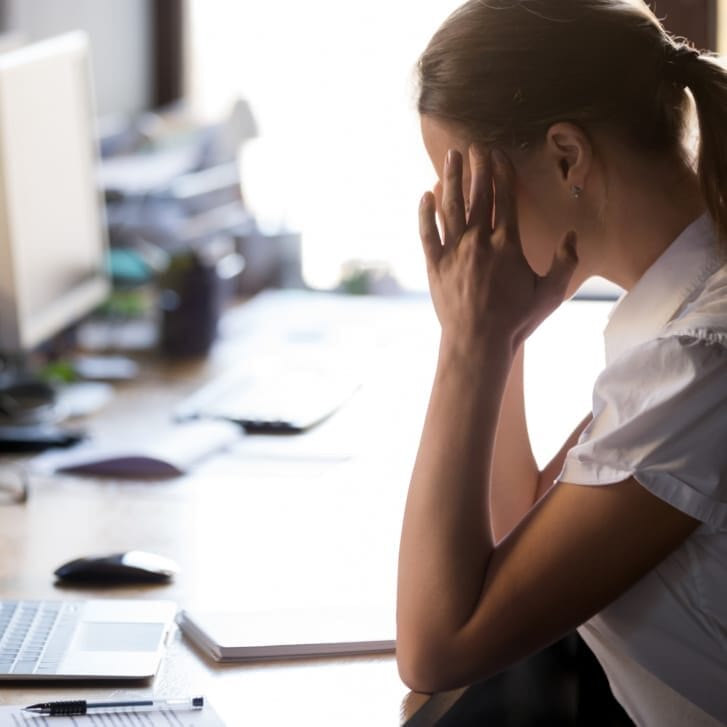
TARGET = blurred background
x,y
313,102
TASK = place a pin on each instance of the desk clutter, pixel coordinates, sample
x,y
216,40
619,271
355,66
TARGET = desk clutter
x,y
135,296
180,226
299,357
121,640
273,522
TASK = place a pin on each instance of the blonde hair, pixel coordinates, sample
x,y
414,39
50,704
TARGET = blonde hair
x,y
505,70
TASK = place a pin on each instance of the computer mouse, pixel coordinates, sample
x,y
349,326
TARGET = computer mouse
x,y
133,566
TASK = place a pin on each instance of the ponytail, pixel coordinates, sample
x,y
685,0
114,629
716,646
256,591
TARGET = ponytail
x,y
707,82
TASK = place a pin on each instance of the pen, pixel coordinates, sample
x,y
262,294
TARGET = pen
x,y
81,706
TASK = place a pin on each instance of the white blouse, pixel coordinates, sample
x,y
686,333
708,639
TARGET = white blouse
x,y
660,416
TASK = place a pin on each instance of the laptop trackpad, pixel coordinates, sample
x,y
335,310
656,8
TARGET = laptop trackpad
x,y
105,636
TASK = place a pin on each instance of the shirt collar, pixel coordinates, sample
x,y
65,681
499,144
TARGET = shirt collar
x,y
662,290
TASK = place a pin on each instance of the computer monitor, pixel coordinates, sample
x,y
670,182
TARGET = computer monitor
x,y
53,241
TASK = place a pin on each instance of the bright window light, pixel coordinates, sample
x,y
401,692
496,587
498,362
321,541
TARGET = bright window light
x,y
339,157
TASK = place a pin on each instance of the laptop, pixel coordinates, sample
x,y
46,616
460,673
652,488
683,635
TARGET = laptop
x,y
85,639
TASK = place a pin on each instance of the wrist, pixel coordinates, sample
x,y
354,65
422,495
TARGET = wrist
x,y
485,355
485,348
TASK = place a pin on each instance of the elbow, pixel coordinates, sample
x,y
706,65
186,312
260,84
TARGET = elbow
x,y
412,674
416,674
424,668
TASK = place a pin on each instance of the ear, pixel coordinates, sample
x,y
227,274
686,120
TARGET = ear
x,y
571,150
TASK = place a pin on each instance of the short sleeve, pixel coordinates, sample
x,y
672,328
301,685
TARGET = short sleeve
x,y
660,416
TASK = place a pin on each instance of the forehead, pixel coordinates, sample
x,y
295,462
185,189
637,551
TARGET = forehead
x,y
440,136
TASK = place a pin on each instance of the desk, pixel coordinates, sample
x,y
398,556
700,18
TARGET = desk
x,y
298,521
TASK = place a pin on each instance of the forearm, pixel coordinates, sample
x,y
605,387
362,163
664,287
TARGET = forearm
x,y
515,475
446,539
516,481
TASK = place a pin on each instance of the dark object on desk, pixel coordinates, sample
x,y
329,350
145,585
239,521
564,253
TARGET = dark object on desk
x,y
597,707
560,686
26,401
540,691
134,566
191,298
36,437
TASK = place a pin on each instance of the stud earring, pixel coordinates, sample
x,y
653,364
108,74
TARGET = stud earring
x,y
576,191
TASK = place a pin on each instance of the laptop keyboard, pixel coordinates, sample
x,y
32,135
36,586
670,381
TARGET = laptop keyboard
x,y
34,635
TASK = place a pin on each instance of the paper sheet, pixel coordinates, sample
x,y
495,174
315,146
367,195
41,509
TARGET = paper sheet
x,y
206,717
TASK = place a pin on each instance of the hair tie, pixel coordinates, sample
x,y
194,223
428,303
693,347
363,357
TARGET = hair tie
x,y
678,59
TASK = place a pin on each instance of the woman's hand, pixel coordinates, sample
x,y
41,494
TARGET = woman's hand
x,y
481,284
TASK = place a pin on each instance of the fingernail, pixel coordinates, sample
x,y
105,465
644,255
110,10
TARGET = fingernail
x,y
448,159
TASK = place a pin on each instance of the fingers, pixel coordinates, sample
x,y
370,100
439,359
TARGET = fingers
x,y
453,207
438,194
492,202
481,192
428,230
505,198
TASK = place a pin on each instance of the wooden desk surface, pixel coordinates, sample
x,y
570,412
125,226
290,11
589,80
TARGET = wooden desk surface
x,y
298,521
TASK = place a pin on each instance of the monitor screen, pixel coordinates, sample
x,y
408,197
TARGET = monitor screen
x,y
52,225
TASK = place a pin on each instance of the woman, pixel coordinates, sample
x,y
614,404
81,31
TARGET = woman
x,y
559,130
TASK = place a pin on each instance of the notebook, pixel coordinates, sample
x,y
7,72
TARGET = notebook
x,y
86,639
288,633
